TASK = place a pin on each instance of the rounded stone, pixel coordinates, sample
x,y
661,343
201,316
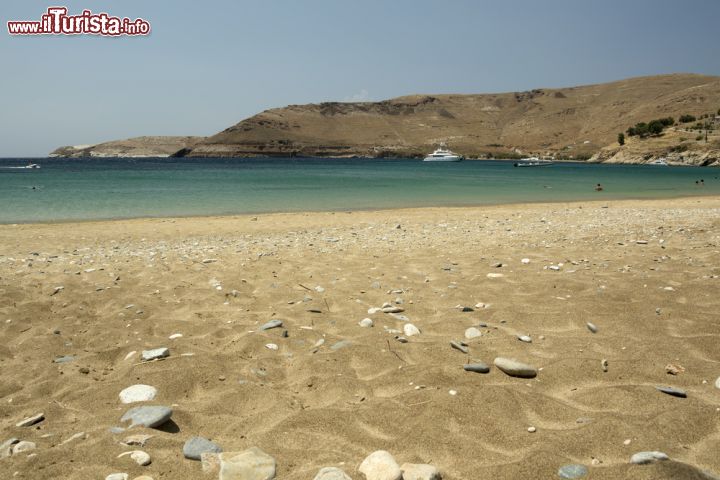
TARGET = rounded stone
x,y
250,464
472,332
141,458
478,367
572,471
138,393
419,471
23,446
117,476
643,458
717,383
366,323
514,368
409,330
331,473
196,446
380,465
149,417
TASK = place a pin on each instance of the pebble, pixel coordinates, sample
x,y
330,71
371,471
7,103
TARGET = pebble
x,y
478,367
175,335
514,368
196,446
117,476
140,457
271,346
675,392
604,364
592,327
366,323
31,420
525,261
331,473
155,353
374,310
146,416
643,458
401,339
143,477
64,359
419,471
6,447
392,309
138,393
23,446
452,392
250,464
572,471
272,324
674,369
472,332
380,465
525,338
458,346
717,383
495,275
409,330
532,429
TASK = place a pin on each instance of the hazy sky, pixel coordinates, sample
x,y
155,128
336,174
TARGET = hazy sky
x,y
209,64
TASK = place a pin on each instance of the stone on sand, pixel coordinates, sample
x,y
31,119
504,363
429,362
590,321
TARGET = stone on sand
x,y
592,327
272,324
196,446
366,323
331,473
472,332
380,465
643,458
148,416
138,393
250,464
155,353
140,457
514,368
117,476
675,392
409,330
573,470
23,446
6,447
478,367
419,471
31,420
717,383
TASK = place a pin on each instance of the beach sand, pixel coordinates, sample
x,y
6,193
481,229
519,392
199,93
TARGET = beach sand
x,y
129,285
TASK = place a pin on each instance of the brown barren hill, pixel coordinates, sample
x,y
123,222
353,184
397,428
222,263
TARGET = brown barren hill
x,y
566,122
131,147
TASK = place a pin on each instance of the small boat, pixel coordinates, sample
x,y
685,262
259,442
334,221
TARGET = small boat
x,y
442,154
31,165
659,161
532,162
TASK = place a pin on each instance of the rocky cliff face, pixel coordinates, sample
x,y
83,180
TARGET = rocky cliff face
x,y
677,146
569,122
132,147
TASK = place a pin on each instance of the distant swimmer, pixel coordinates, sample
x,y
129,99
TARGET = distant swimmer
x,y
598,188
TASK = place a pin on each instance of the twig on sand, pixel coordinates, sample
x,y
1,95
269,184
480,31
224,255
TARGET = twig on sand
x,y
306,288
394,352
326,304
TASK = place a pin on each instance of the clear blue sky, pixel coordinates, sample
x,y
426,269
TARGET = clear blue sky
x,y
209,64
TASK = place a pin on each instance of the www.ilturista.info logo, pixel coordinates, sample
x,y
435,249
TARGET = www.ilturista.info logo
x,y
57,22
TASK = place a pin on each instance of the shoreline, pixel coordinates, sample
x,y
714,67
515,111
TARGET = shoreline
x,y
243,215
81,301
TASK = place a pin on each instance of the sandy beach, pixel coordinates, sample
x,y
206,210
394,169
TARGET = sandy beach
x,y
644,273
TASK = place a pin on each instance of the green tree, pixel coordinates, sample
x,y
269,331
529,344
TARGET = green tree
x,y
621,138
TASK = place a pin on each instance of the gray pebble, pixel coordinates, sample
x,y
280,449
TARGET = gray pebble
x,y
525,338
592,327
675,392
572,471
149,417
643,458
196,446
64,359
478,367
161,352
272,324
514,368
458,346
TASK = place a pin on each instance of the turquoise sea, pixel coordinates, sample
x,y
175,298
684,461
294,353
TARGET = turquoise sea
x,y
84,189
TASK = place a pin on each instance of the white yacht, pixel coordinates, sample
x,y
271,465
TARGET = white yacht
x,y
442,154
659,161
